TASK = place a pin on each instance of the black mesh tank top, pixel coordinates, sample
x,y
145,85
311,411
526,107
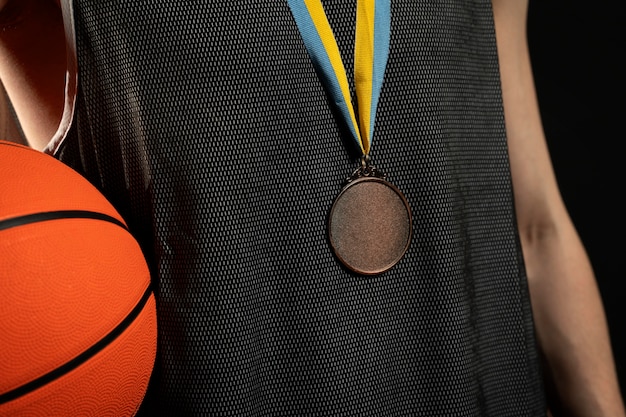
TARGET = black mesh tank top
x,y
205,123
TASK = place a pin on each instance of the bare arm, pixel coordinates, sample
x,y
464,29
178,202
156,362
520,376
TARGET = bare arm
x,y
33,65
570,323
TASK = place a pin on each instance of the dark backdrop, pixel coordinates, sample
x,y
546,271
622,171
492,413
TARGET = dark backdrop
x,y
577,50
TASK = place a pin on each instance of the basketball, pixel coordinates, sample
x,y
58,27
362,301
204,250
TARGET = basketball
x,y
77,314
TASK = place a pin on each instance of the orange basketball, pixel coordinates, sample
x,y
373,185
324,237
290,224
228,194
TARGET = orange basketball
x,y
77,315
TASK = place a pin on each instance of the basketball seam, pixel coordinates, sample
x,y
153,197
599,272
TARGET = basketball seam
x,y
81,358
57,215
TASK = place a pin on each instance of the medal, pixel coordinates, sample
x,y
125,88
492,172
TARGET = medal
x,y
370,223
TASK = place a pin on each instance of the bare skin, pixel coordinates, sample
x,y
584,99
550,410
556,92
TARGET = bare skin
x,y
569,316
33,65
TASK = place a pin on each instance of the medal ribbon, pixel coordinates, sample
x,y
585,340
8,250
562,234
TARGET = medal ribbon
x,y
371,51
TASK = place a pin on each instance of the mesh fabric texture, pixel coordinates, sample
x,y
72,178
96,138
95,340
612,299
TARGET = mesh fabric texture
x,y
207,127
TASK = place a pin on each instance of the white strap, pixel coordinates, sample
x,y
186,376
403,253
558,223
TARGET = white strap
x,y
71,79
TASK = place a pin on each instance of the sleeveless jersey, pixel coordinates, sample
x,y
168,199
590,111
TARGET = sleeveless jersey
x,y
206,125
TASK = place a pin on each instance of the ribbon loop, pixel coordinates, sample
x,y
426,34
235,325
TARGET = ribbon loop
x,y
371,52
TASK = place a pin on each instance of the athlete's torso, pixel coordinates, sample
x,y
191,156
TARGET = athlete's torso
x,y
207,126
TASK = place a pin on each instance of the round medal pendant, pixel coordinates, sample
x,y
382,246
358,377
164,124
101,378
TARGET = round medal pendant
x,y
370,225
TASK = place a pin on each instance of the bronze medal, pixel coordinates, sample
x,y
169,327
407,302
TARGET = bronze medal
x,y
370,224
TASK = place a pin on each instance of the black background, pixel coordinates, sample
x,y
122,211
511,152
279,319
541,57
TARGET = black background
x,y
577,50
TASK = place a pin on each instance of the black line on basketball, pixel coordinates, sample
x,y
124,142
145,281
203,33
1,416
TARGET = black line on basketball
x,y
80,359
57,215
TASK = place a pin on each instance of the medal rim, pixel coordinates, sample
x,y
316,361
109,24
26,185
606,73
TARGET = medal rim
x,y
404,200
